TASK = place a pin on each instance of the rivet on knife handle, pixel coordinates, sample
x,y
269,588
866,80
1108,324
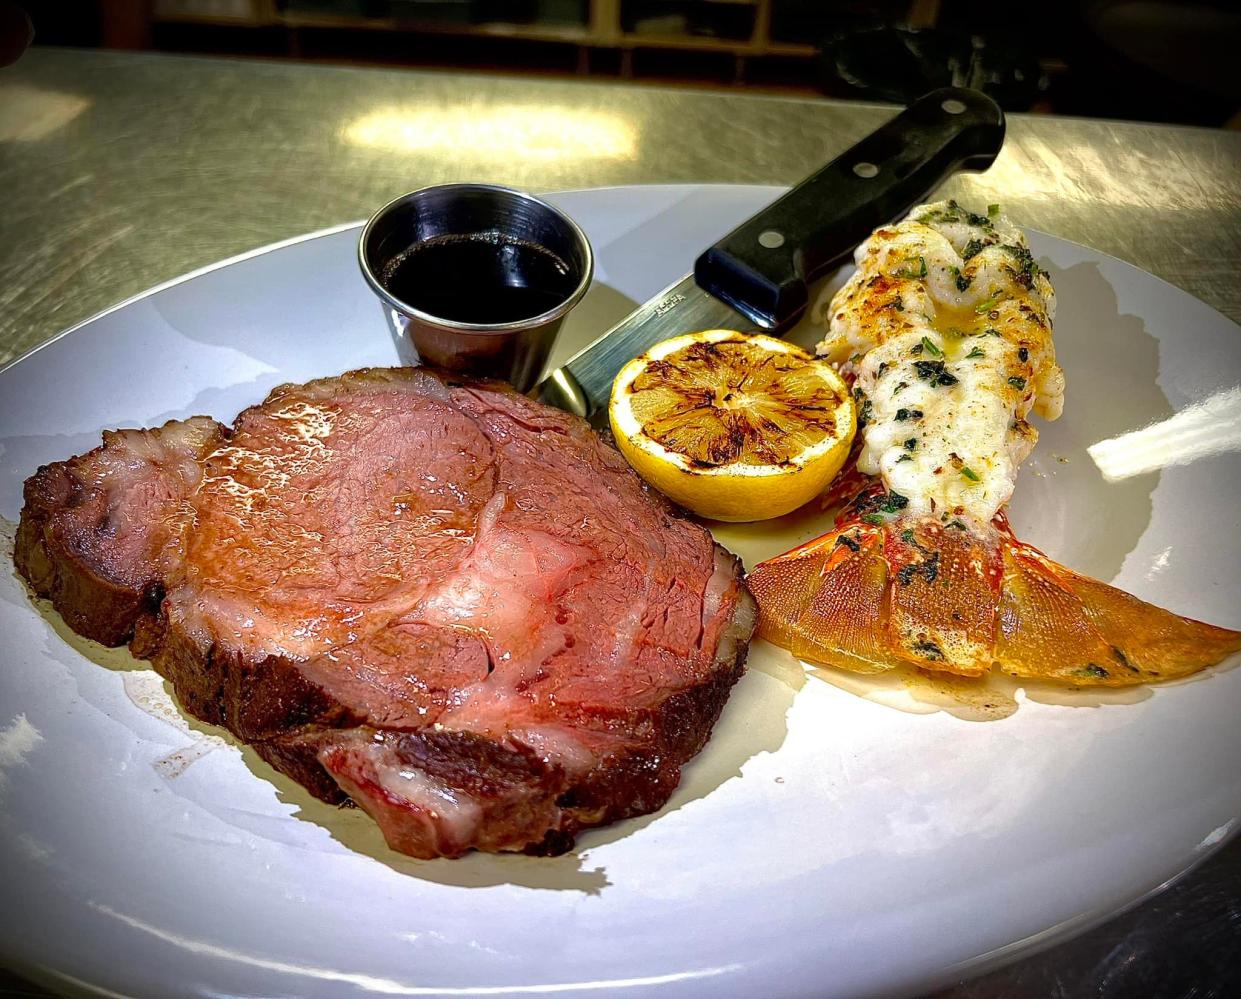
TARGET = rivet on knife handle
x,y
763,268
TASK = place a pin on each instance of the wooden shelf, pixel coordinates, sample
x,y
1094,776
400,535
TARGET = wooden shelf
x,y
602,30
573,33
706,43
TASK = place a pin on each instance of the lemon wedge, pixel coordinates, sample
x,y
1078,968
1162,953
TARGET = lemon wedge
x,y
733,426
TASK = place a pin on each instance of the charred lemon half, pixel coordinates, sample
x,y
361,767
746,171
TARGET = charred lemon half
x,y
733,426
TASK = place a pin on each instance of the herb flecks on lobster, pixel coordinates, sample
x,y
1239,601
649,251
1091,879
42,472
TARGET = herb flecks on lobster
x,y
945,332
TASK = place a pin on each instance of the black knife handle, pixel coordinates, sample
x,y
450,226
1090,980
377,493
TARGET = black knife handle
x,y
763,268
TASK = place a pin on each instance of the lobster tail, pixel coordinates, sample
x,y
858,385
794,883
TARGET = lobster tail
x,y
1059,625
870,596
825,602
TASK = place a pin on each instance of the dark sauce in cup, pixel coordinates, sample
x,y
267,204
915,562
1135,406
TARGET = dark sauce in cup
x,y
481,278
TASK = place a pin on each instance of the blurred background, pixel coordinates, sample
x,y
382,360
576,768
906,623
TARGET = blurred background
x,y
1128,59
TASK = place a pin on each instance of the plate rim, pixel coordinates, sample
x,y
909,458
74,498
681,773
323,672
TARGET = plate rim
x,y
1047,938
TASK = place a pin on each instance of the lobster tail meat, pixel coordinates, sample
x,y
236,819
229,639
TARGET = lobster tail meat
x,y
944,332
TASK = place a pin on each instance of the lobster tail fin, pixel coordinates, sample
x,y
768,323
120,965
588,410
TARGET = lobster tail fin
x,y
1056,624
906,591
825,602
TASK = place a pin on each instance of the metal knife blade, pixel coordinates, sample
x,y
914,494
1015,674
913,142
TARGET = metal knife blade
x,y
760,273
583,384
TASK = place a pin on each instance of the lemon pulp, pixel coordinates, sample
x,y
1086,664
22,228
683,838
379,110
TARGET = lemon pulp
x,y
733,426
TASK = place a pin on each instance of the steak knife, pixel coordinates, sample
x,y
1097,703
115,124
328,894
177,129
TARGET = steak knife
x,y
758,276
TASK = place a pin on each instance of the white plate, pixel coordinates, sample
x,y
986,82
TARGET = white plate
x,y
833,838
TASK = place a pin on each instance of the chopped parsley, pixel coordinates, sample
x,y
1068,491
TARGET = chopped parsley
x,y
874,518
928,569
899,387
1027,267
969,473
879,503
972,249
993,211
929,346
911,444
904,457
933,372
955,213
1094,670
1017,382
975,352
908,271
904,414
984,307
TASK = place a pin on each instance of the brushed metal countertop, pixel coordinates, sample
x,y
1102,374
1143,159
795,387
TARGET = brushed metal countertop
x,y
123,170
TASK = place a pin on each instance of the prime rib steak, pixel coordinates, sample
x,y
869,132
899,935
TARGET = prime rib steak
x,y
455,606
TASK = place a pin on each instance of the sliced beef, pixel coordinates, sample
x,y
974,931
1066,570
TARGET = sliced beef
x,y
453,605
95,530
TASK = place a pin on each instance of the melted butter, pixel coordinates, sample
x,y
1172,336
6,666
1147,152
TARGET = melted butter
x,y
992,697
756,542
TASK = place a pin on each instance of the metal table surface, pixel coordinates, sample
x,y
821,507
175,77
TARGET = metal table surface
x,y
122,170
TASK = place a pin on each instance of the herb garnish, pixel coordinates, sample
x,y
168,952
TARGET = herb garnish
x,y
929,346
1017,382
929,569
975,352
969,473
1027,266
882,503
908,271
933,372
904,414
